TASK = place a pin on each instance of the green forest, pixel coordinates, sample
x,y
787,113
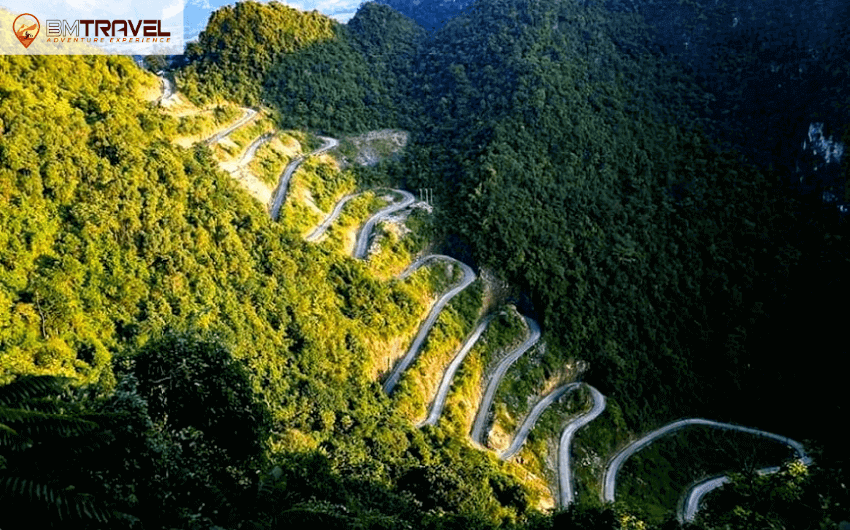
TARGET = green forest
x,y
173,358
141,275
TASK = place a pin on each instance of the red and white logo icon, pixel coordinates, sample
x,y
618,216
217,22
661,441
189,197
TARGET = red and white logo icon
x,y
26,28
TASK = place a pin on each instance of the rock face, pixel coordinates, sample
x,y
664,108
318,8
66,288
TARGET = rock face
x,y
818,168
370,148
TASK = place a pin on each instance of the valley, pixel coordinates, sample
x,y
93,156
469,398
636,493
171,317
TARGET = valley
x,y
477,435
223,306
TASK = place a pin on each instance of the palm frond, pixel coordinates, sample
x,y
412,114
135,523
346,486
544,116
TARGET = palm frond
x,y
16,490
11,439
34,422
28,387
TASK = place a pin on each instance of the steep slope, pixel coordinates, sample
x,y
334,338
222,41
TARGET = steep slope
x,y
318,73
430,14
573,156
112,236
241,43
628,228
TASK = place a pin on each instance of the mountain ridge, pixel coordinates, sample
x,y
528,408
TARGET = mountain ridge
x,y
587,176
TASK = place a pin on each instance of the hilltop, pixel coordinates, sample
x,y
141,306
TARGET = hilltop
x,y
226,288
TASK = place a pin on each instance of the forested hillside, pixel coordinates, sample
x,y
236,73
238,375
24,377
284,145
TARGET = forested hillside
x,y
575,158
317,72
141,269
205,366
557,159
430,15
587,165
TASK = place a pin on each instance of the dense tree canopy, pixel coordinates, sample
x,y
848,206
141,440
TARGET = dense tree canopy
x,y
587,166
317,73
113,236
567,149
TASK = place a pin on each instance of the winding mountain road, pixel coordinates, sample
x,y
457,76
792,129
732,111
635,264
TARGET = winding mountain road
x,y
565,447
286,176
328,221
440,399
319,231
247,115
496,378
419,262
688,511
692,499
610,480
466,281
361,248
695,495
251,152
533,416
689,508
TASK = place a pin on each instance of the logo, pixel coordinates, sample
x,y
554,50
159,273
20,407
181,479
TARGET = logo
x,y
75,27
26,28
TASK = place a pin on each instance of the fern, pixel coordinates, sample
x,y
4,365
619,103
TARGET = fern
x,y
11,439
35,423
29,387
36,431
62,506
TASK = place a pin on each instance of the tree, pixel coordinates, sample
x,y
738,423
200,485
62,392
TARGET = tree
x,y
798,496
194,382
41,438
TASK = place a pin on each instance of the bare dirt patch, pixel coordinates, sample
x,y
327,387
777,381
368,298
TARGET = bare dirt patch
x,y
254,186
370,148
498,439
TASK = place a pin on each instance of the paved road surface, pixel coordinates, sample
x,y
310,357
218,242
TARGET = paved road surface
x,y
484,409
252,149
361,248
610,480
401,366
324,225
247,115
319,231
695,495
533,416
565,469
286,176
689,508
440,399
417,263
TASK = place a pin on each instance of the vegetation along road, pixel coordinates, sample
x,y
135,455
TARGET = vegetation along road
x,y
533,416
440,399
493,384
361,248
319,231
691,500
466,281
286,176
328,221
252,149
564,468
610,480
688,509
247,115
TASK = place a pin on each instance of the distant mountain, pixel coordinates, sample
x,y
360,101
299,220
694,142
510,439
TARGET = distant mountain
x,y
319,73
196,13
430,14
773,67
